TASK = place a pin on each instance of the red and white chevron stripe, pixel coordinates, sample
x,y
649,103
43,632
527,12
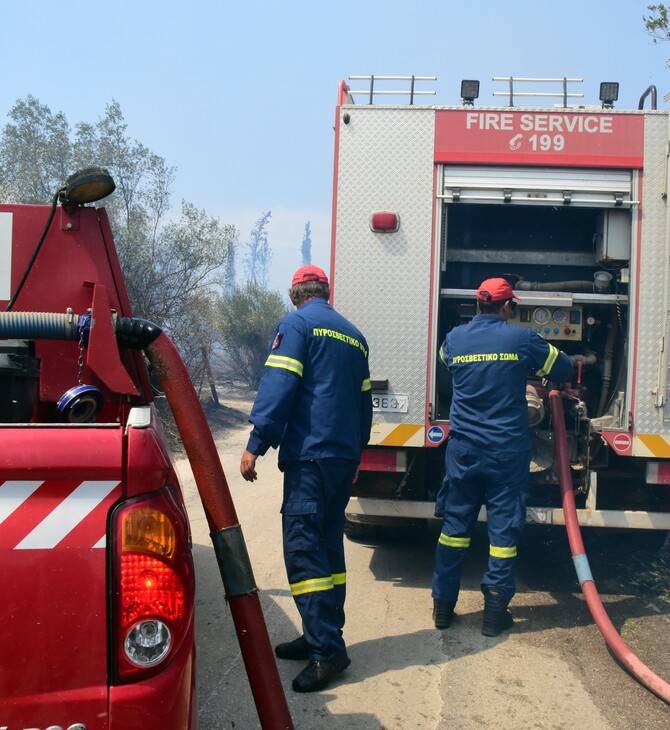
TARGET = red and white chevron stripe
x,y
47,515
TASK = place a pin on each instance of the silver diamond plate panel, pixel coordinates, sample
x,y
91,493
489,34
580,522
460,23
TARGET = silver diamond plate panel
x,y
651,267
382,281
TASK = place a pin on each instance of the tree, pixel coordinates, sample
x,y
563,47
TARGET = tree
x,y
259,253
246,322
182,265
656,25
35,153
143,181
306,247
172,268
229,267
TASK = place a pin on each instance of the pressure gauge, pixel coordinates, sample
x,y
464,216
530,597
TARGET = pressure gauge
x,y
560,316
541,315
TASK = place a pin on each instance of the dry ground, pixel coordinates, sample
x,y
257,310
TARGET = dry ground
x,y
552,671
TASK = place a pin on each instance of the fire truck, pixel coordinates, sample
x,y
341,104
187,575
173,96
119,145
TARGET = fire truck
x,y
97,614
566,201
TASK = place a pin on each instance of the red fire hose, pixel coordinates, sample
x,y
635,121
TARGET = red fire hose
x,y
241,592
621,650
229,547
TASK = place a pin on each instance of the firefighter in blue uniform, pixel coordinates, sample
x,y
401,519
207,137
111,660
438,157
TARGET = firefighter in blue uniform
x,y
488,450
314,402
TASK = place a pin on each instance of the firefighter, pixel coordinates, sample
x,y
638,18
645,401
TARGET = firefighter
x,y
488,449
314,402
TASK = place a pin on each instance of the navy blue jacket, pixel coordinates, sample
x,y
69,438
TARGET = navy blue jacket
x,y
314,399
489,361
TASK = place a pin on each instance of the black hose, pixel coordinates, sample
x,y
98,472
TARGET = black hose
x,y
135,333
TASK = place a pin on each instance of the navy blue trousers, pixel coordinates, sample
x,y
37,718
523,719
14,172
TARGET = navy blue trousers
x,y
498,479
316,494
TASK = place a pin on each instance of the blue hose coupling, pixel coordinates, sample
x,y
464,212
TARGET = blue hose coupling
x,y
80,404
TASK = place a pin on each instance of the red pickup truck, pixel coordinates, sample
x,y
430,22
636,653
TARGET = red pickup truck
x,y
97,612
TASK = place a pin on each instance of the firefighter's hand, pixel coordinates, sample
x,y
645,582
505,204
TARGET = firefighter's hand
x,y
248,466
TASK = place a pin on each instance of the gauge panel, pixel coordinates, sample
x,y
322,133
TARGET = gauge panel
x,y
552,323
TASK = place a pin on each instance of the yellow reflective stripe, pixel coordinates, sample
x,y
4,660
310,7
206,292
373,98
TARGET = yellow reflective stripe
x,y
367,385
549,362
312,585
502,552
287,363
392,435
454,542
441,356
339,579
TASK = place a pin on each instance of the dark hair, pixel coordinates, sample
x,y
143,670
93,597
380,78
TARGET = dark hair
x,y
309,290
491,307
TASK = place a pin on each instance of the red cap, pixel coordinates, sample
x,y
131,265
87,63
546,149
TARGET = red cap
x,y
495,290
309,273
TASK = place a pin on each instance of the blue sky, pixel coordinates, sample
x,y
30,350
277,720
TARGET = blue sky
x,y
240,97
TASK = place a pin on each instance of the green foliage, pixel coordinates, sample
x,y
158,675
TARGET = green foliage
x,y
245,322
35,153
180,265
180,272
172,268
656,25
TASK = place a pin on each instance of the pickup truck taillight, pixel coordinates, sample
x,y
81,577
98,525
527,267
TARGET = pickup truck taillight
x,y
152,584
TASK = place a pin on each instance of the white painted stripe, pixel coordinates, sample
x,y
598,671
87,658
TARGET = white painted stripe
x,y
69,513
639,449
102,542
13,494
5,255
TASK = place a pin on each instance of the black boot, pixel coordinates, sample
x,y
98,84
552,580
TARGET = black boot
x,y
317,675
497,617
443,612
296,649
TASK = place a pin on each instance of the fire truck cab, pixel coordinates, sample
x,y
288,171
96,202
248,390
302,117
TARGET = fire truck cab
x,y
568,202
96,621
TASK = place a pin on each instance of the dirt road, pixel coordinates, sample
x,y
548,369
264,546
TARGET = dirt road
x,y
552,671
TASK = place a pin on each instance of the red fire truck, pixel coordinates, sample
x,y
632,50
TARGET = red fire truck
x,y
569,202
96,620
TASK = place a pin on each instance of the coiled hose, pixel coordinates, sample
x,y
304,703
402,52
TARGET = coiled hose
x,y
621,650
39,325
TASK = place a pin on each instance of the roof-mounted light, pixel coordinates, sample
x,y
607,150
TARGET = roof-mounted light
x,y
469,91
87,186
609,93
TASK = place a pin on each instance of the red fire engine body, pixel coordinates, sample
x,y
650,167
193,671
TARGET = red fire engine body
x,y
96,621
569,203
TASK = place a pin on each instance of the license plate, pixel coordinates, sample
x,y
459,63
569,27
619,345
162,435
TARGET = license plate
x,y
390,402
